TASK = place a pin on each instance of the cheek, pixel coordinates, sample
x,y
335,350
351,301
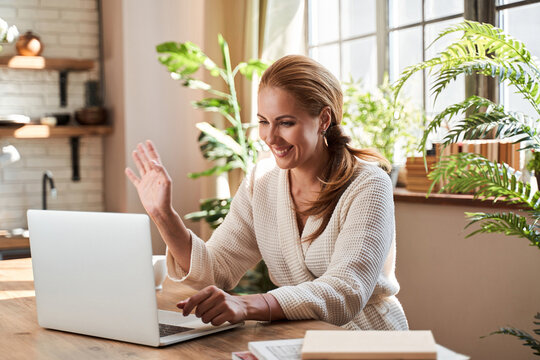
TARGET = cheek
x,y
307,138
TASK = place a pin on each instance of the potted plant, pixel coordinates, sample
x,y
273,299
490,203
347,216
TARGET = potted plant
x,y
373,119
487,51
533,165
231,148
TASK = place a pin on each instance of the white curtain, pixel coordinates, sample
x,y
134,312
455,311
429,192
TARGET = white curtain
x,y
283,29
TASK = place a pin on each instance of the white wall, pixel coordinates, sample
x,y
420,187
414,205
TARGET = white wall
x,y
147,103
463,289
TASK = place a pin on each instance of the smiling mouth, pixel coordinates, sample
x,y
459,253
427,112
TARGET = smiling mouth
x,y
282,152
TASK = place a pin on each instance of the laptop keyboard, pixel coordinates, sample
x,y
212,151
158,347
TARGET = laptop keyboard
x,y
166,329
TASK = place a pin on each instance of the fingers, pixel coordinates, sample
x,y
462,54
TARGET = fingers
x,y
208,304
196,299
143,157
219,309
138,162
152,151
220,319
132,177
215,306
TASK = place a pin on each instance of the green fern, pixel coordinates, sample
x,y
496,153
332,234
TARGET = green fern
x,y
488,51
528,340
467,172
510,224
482,49
483,116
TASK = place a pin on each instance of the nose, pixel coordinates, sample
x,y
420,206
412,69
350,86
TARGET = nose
x,y
270,135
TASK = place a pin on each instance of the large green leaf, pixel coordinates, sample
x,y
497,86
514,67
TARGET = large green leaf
x,y
218,169
220,136
213,211
213,149
181,58
222,106
253,66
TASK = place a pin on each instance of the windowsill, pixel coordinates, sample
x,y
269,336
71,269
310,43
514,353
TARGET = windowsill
x,y
404,195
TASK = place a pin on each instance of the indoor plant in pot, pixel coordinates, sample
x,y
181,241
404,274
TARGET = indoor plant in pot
x,y
230,148
375,120
485,50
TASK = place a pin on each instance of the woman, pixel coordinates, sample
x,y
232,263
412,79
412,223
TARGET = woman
x,y
320,214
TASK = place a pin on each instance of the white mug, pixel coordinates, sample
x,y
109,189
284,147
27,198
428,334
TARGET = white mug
x,y
160,270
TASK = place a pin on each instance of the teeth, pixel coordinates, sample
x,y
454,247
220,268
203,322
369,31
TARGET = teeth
x,y
282,152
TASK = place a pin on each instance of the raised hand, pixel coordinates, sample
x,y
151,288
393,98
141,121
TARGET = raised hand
x,y
153,184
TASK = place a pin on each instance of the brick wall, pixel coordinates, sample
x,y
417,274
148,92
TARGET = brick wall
x,y
68,29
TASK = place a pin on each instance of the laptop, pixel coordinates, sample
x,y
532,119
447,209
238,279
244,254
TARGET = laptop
x,y
93,275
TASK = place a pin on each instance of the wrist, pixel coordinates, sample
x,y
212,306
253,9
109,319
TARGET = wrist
x,y
163,215
256,307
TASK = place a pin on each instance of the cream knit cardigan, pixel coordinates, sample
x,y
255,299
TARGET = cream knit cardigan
x,y
344,277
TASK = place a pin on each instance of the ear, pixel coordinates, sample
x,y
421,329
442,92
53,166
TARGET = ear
x,y
325,118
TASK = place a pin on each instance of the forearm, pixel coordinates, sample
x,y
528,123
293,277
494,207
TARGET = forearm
x,y
176,236
263,307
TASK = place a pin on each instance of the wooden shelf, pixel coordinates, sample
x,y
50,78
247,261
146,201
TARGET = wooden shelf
x,y
41,63
45,131
16,242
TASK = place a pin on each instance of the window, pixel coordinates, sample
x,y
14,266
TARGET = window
x,y
342,35
516,18
413,25
363,39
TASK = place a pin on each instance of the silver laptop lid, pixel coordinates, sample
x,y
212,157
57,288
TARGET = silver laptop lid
x,y
93,274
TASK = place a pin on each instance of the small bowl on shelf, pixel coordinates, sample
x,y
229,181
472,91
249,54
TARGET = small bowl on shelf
x,y
91,116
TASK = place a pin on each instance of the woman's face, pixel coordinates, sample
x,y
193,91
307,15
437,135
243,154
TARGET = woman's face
x,y
293,136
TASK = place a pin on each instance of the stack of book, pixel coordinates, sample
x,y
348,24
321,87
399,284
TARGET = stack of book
x,y
417,175
501,151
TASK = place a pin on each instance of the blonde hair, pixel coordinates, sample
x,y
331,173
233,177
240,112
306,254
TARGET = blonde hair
x,y
314,88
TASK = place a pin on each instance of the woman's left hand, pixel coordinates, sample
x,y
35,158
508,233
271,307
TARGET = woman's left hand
x,y
215,306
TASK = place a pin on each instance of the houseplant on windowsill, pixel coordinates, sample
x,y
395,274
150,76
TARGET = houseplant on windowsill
x,y
231,148
487,51
533,165
373,119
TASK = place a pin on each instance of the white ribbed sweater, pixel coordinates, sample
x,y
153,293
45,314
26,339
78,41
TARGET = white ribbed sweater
x,y
345,276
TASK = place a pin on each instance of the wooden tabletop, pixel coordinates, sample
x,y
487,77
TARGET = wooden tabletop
x,y
22,338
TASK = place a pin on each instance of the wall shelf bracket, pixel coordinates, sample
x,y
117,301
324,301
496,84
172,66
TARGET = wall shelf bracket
x,y
63,77
75,169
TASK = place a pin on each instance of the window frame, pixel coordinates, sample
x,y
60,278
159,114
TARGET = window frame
x,y
341,39
382,35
